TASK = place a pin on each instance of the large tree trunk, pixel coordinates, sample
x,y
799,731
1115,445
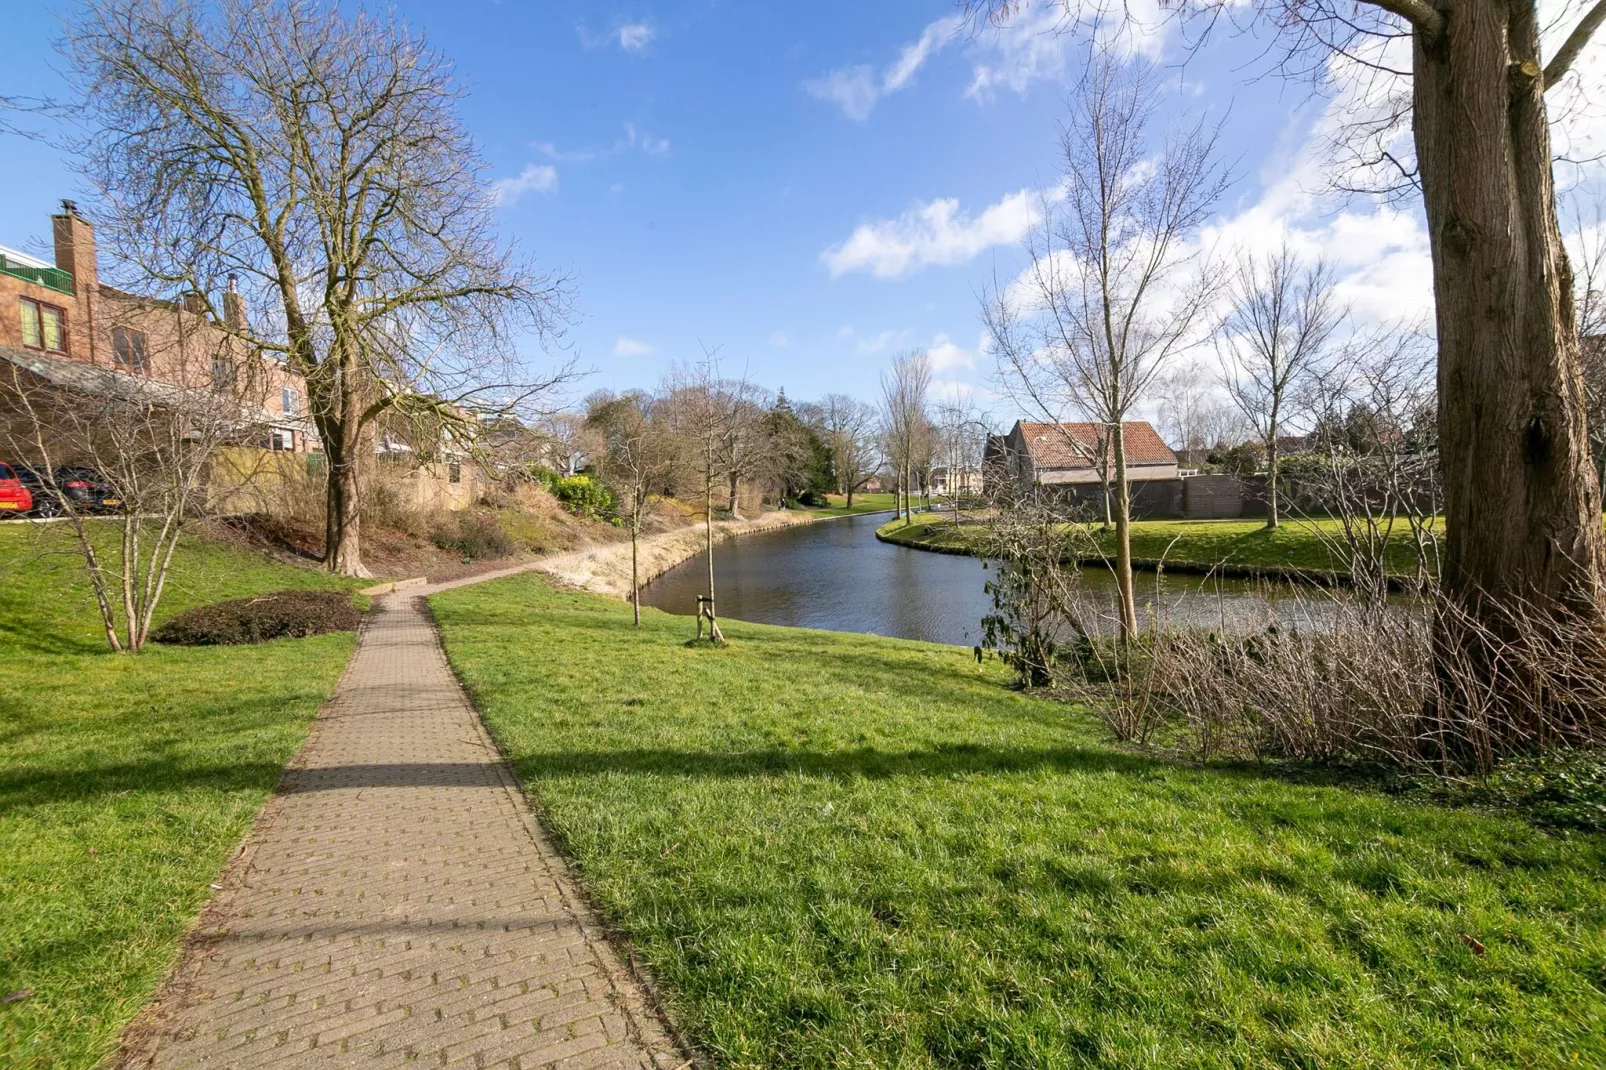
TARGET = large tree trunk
x,y
1121,500
342,521
1522,506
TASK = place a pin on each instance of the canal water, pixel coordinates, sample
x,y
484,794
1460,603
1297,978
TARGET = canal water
x,y
837,575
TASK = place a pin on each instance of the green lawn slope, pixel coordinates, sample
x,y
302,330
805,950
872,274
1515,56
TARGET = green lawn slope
x,y
125,781
840,850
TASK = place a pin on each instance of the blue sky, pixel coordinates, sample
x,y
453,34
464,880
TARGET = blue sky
x,y
812,187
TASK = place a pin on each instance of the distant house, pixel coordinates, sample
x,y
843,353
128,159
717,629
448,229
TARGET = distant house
x,y
959,480
1073,454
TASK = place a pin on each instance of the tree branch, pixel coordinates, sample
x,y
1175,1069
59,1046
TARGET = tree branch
x,y
1423,16
1562,62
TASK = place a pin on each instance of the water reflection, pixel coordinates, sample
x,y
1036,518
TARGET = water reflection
x,y
836,575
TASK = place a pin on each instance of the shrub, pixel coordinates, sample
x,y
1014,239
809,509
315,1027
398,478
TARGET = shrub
x,y
583,495
474,535
280,615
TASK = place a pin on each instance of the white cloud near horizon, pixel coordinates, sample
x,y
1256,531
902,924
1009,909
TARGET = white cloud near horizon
x,y
631,347
936,233
535,178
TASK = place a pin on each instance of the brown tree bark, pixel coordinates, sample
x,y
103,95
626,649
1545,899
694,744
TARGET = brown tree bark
x,y
1522,506
342,524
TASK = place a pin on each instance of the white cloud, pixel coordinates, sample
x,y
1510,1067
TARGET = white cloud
x,y
945,354
856,89
853,89
1043,41
884,342
636,36
630,347
935,233
779,340
535,178
951,391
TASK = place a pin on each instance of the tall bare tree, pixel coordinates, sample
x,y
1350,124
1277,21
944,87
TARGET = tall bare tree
x,y
1280,317
848,429
1107,298
317,156
636,455
905,386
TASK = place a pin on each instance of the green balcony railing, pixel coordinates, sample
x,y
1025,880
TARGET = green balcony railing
x,y
55,278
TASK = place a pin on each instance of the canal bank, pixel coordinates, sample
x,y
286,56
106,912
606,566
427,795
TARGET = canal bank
x,y
1301,552
605,569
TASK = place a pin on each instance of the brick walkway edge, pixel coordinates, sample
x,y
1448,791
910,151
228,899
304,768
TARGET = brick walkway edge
x,y
398,904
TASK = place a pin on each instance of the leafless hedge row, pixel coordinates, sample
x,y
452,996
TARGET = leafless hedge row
x,y
1365,685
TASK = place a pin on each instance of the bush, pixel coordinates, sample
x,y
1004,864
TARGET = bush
x,y
583,496
474,535
280,615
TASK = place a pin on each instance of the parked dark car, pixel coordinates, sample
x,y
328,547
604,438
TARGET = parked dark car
x,y
82,488
14,497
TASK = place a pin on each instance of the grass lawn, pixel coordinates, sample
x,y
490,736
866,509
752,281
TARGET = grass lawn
x,y
840,850
862,503
125,782
1294,544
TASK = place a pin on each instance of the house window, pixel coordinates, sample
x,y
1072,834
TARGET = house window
x,y
223,374
287,400
282,440
43,326
128,351
454,473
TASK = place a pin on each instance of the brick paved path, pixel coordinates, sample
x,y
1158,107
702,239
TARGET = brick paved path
x,y
399,904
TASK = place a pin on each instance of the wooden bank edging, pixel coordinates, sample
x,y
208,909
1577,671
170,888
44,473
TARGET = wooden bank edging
x,y
1274,573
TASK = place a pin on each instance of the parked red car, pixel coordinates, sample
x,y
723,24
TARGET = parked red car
x,y
14,497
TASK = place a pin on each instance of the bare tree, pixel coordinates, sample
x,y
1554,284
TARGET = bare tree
x,y
705,412
1280,317
1106,302
636,455
1194,412
158,445
318,157
848,428
1375,470
747,450
905,421
961,437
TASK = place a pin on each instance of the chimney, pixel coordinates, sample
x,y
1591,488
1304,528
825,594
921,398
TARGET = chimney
x,y
75,248
234,306
194,303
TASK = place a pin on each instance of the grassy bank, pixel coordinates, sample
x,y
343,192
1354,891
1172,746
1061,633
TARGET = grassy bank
x,y
125,782
862,503
840,850
1295,544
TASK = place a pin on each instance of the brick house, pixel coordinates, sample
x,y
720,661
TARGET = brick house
x,y
62,325
1072,454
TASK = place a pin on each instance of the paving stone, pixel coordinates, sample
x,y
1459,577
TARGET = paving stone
x,y
401,904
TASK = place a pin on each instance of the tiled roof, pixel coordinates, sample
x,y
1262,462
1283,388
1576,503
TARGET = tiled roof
x,y
1076,445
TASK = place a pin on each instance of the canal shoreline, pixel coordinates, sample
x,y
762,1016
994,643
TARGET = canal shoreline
x,y
1226,570
605,569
